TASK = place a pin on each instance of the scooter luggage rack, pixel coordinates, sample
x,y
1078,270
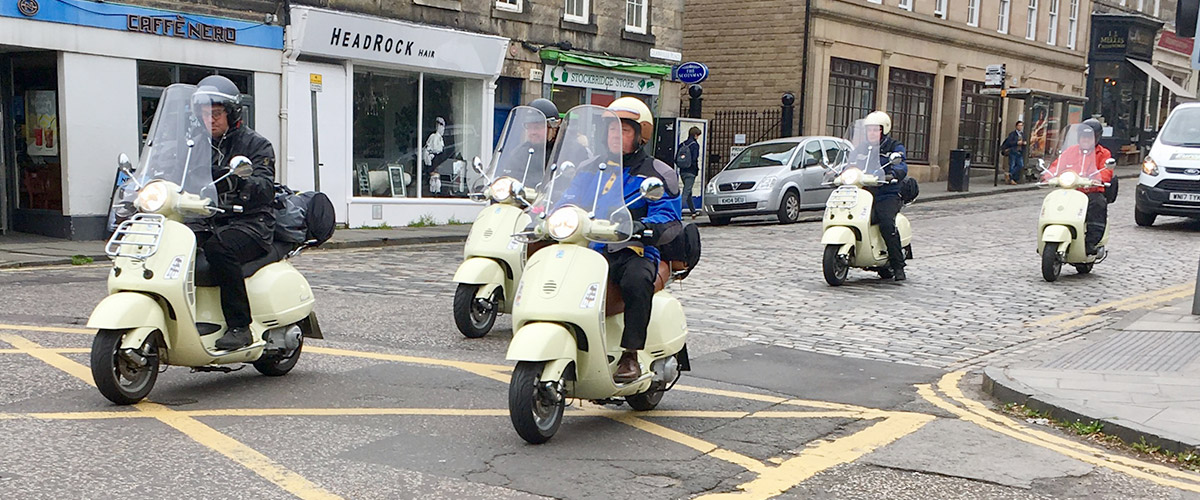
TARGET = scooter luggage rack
x,y
140,225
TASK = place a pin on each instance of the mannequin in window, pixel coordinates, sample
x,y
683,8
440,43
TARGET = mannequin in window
x,y
434,146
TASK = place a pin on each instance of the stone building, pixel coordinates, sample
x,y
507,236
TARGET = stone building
x,y
923,61
386,77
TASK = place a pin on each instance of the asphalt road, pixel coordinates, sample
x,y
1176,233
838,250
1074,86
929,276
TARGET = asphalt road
x,y
799,390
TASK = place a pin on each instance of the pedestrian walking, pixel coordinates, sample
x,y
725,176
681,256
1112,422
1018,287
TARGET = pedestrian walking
x,y
1014,148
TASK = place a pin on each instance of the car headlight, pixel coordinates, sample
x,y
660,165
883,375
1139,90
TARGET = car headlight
x,y
1068,179
153,197
850,177
712,187
502,189
767,183
563,223
1150,167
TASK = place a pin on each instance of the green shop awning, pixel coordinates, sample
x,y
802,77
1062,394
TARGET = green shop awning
x,y
555,56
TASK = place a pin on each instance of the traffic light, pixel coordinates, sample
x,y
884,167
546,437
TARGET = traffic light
x,y
1185,18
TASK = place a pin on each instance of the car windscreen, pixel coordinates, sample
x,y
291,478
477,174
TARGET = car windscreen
x,y
764,155
1182,129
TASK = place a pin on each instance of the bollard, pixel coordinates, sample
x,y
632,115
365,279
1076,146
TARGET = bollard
x,y
1196,294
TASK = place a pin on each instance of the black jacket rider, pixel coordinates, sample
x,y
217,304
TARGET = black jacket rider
x,y
254,193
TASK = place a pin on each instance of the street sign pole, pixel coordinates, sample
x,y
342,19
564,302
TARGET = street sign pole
x,y
1196,294
314,86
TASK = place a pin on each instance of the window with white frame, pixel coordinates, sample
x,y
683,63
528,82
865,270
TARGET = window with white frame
x,y
1052,34
1141,5
906,5
636,16
576,11
939,8
972,12
509,5
1072,24
1031,25
1157,7
1002,18
876,1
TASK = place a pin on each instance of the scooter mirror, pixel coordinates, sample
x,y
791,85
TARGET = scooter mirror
x,y
895,158
477,164
124,164
241,166
1042,164
1110,163
653,189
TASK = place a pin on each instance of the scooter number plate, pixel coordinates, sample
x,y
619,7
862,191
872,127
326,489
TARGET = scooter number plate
x,y
1192,197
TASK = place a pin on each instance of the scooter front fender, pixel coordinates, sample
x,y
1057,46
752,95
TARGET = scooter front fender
x,y
479,271
839,235
130,311
542,341
1056,234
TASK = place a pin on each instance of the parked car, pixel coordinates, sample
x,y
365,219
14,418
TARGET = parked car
x,y
779,177
1170,179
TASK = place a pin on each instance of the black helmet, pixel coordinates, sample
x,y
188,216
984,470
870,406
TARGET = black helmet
x,y
547,107
216,89
1095,125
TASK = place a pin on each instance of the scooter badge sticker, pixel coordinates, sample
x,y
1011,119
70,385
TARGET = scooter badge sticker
x,y
589,297
497,209
520,288
560,254
514,244
175,269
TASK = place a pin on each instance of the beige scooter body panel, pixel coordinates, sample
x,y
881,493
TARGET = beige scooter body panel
x,y
1063,221
854,214
491,239
565,285
279,296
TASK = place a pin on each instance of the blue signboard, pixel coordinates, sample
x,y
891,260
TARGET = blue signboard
x,y
149,22
691,72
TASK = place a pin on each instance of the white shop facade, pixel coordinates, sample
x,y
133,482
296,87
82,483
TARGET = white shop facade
x,y
398,109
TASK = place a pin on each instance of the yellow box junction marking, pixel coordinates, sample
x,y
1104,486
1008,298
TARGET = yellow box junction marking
x,y
977,413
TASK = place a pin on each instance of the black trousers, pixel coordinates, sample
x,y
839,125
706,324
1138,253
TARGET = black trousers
x,y
634,275
226,251
883,212
1096,219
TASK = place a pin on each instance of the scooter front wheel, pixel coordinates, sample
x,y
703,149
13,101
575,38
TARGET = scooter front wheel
x,y
473,317
835,268
1051,264
116,374
534,412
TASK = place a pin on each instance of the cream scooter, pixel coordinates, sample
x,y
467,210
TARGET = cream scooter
x,y
849,237
567,326
1062,223
162,309
492,259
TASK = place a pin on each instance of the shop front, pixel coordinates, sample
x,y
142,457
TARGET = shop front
x,y
385,116
78,85
573,78
1119,80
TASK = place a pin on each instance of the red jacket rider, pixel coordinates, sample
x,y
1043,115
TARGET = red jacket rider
x,y
1086,159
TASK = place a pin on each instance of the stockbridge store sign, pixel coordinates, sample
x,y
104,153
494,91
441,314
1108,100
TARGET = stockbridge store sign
x,y
574,76
388,42
147,21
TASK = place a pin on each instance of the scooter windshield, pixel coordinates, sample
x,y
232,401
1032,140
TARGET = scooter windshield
x,y
864,154
178,147
1077,154
586,171
521,153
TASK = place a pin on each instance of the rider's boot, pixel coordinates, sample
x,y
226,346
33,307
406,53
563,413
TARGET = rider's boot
x,y
628,368
898,273
235,338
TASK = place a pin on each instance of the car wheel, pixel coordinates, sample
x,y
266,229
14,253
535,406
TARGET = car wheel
x,y
1144,219
718,221
789,208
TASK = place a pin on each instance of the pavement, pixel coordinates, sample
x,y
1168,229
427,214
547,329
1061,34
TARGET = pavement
x,y
28,250
1140,378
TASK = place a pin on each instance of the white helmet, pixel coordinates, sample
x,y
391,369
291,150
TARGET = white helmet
x,y
881,119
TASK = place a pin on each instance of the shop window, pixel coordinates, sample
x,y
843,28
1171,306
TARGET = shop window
x,y
978,132
637,14
851,93
37,143
602,97
509,5
412,148
567,97
576,11
153,78
910,102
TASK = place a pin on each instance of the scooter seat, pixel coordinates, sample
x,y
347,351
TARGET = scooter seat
x,y
279,250
614,303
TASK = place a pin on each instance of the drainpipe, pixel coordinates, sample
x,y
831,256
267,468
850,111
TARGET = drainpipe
x,y
804,64
287,62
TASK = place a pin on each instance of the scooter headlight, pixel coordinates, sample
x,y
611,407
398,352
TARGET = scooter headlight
x,y
563,223
850,177
502,189
1068,179
153,197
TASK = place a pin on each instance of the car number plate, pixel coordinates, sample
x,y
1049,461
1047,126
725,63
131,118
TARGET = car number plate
x,y
1185,197
731,200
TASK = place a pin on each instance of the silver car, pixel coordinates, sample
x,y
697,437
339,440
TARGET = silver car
x,y
780,177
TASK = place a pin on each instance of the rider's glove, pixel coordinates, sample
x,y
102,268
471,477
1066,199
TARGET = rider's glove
x,y
641,231
229,184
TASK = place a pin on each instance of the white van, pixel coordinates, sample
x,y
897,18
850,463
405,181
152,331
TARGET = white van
x,y
1170,180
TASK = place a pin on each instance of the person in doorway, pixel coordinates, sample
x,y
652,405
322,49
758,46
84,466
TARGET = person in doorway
x,y
633,265
887,196
1091,159
233,238
1014,147
688,162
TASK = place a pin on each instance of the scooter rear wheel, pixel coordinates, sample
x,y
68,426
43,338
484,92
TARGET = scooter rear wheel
x,y
1051,265
278,366
831,264
645,401
535,418
471,318
117,378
